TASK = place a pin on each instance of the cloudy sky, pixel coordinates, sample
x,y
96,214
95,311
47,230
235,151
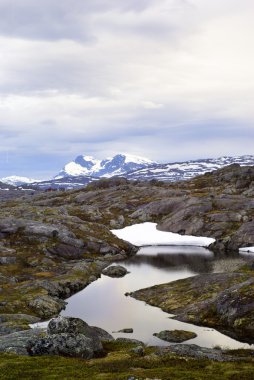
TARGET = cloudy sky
x,y
168,79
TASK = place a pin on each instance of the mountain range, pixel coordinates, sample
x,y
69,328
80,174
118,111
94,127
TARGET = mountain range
x,y
86,169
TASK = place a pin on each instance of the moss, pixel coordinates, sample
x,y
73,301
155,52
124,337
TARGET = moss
x,y
120,364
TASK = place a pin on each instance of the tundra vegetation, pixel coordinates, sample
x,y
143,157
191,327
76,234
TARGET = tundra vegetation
x,y
54,244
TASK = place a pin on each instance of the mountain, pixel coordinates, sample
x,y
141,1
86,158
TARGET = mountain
x,y
18,181
61,183
86,169
120,164
179,171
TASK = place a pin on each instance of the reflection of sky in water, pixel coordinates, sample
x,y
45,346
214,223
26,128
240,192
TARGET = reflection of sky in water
x,y
104,304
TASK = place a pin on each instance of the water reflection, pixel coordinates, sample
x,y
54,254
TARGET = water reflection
x,y
199,260
104,304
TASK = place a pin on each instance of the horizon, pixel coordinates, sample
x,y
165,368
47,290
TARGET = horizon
x,y
55,174
171,80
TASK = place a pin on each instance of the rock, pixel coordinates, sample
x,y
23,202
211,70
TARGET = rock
x,y
197,352
129,340
73,345
46,306
126,331
139,350
7,260
103,335
67,251
70,325
220,300
69,337
17,342
175,336
115,271
15,322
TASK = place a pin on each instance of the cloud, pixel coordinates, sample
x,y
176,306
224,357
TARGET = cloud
x,y
163,78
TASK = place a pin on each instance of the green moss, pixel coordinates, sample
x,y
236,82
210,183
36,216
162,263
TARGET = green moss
x,y
119,364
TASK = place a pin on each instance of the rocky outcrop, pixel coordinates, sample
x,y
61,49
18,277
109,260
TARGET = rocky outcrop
x,y
220,300
194,351
69,337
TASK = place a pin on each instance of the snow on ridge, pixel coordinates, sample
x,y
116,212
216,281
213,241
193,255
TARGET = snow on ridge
x,y
145,234
137,159
17,180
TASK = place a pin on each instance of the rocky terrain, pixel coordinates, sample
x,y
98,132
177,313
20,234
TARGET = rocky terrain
x,y
54,244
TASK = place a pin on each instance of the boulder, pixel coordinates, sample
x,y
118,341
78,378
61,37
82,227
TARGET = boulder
x,y
69,336
175,336
115,271
46,306
73,345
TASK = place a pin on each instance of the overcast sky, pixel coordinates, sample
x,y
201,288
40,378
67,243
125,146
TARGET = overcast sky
x,y
167,79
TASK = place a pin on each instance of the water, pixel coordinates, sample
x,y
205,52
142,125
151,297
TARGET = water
x,y
104,304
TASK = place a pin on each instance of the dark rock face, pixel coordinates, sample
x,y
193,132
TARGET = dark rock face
x,y
175,336
115,271
69,337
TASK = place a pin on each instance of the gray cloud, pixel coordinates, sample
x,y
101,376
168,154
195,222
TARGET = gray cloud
x,y
168,79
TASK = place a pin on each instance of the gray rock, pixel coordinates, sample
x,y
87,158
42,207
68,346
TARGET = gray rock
x,y
103,335
67,251
74,326
139,350
46,306
73,345
115,271
70,337
8,260
197,352
17,342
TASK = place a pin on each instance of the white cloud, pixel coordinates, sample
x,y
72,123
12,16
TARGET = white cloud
x,y
103,75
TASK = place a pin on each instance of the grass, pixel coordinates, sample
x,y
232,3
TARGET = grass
x,y
120,364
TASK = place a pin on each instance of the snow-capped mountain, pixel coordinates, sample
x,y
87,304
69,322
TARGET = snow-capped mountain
x,y
120,164
178,171
18,181
78,173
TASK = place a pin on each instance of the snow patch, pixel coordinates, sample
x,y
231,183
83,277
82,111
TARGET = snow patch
x,y
147,234
246,250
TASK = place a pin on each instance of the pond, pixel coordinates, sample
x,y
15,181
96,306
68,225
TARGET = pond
x,y
103,303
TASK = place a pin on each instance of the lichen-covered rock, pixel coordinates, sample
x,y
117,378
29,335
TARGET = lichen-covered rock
x,y
194,351
69,337
115,271
175,336
46,306
73,345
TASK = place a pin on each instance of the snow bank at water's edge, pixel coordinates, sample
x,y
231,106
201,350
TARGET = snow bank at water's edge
x,y
147,234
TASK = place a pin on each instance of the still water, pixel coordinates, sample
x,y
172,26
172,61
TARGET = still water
x,y
104,304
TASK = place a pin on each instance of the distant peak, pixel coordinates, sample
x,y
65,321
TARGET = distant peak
x,y
120,164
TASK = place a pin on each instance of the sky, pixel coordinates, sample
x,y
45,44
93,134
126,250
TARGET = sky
x,y
170,80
